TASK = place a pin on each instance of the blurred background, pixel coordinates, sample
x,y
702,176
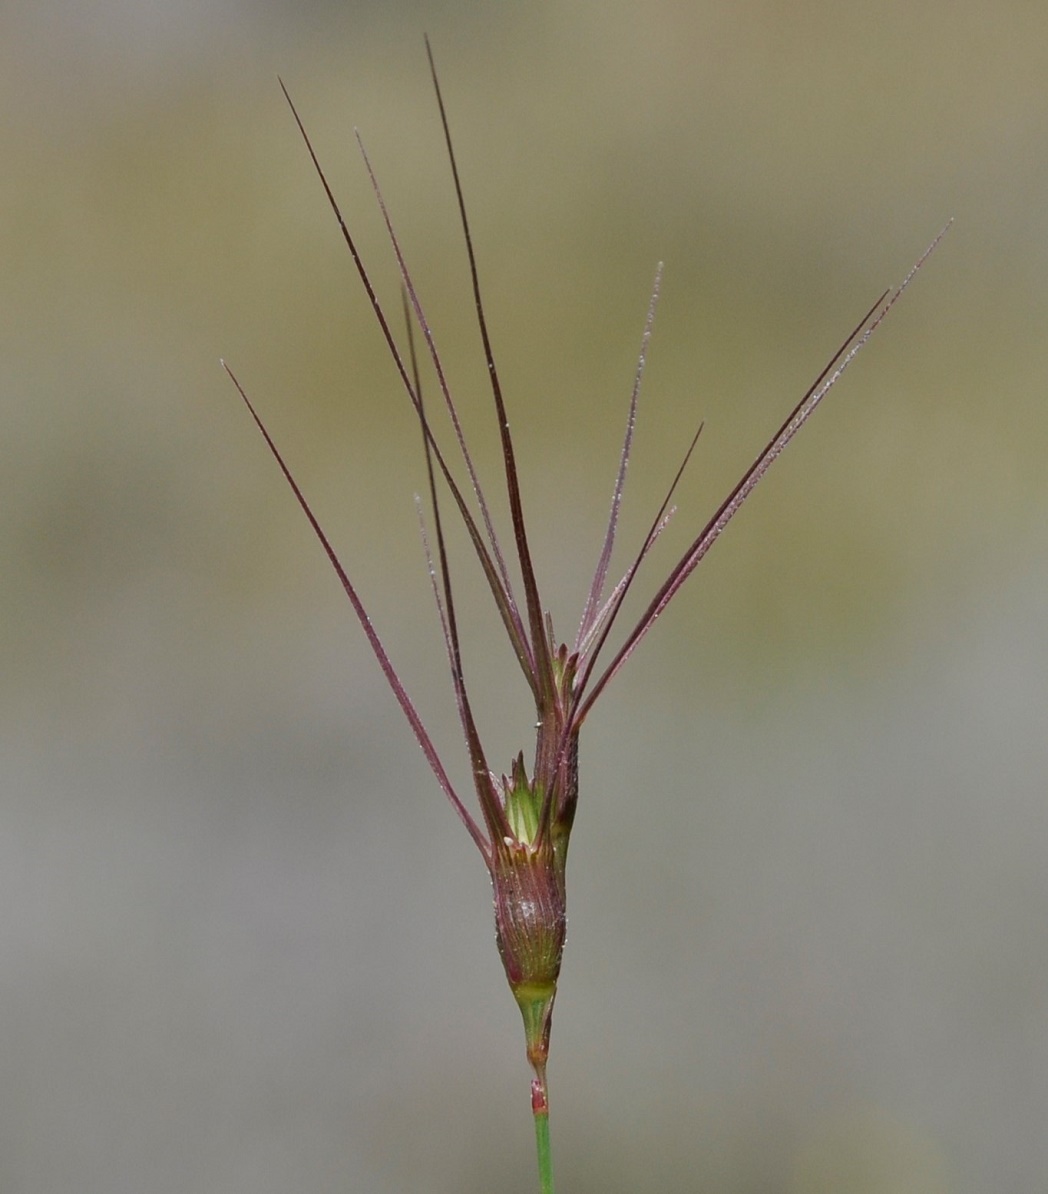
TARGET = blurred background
x,y
245,945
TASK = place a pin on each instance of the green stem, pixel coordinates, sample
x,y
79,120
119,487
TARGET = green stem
x,y
540,1107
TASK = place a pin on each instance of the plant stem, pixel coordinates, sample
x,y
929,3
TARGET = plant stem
x,y
540,1108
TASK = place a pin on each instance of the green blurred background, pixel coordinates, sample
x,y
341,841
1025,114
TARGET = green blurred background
x,y
245,946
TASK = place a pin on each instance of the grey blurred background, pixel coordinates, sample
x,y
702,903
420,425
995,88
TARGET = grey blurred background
x,y
244,944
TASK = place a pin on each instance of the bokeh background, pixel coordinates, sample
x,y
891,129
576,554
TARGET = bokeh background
x,y
244,944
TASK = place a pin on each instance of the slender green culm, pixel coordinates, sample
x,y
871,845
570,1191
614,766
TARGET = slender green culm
x,y
540,1109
